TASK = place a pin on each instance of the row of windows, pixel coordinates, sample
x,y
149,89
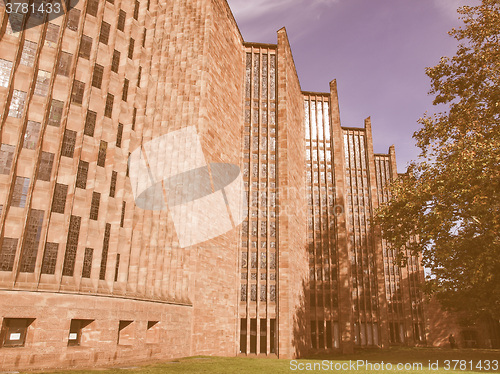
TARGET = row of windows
x,y
253,292
253,336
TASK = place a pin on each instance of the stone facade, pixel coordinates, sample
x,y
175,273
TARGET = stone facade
x,y
94,273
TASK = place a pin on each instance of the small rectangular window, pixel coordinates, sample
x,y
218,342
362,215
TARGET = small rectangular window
x,y
119,135
87,262
144,37
126,333
115,61
5,70
108,109
112,187
52,35
90,123
55,115
42,83
121,20
131,48
128,165
73,19
134,118
104,34
31,135
45,167
101,157
14,24
76,329
92,7
14,331
77,94
136,10
81,176
17,102
97,76
64,65
6,156
59,200
94,207
111,1
20,193
28,53
117,266
8,254
139,74
50,258
125,89
68,145
122,220
71,245
31,241
105,248
85,47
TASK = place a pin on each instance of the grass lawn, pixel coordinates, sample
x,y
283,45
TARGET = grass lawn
x,y
413,357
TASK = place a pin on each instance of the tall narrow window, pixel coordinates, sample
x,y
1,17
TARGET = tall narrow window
x,y
121,20
71,245
92,7
112,187
28,53
73,19
52,35
6,156
104,34
101,157
125,89
8,254
31,241
90,123
136,10
243,335
105,248
55,114
97,76
68,145
144,38
16,107
131,48
59,200
117,266
94,207
263,335
42,83
253,335
81,176
45,167
87,262
31,135
64,65
5,70
20,192
85,47
139,74
122,220
134,118
119,135
77,94
108,109
115,61
50,258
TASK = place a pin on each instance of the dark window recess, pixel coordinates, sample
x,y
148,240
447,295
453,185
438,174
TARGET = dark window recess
x,y
117,266
122,220
121,20
85,47
6,155
87,262
14,331
15,23
81,176
134,118
68,145
50,258
73,18
105,247
77,94
75,331
128,165
253,335
20,193
115,61
31,241
139,74
272,336
112,187
111,1
45,167
131,48
31,134
108,109
7,254
94,207
136,10
71,245
243,335
119,135
90,123
97,76
263,335
64,65
59,201
55,115
144,37
125,89
104,34
101,157
149,3
52,33
92,7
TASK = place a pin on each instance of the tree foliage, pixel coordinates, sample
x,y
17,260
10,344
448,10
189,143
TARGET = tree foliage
x,y
450,198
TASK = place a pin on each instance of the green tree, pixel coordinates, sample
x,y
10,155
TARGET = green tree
x,y
450,198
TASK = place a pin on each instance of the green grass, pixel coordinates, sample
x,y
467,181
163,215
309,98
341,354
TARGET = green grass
x,y
394,356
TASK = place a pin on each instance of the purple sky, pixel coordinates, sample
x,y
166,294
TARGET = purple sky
x,y
376,49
